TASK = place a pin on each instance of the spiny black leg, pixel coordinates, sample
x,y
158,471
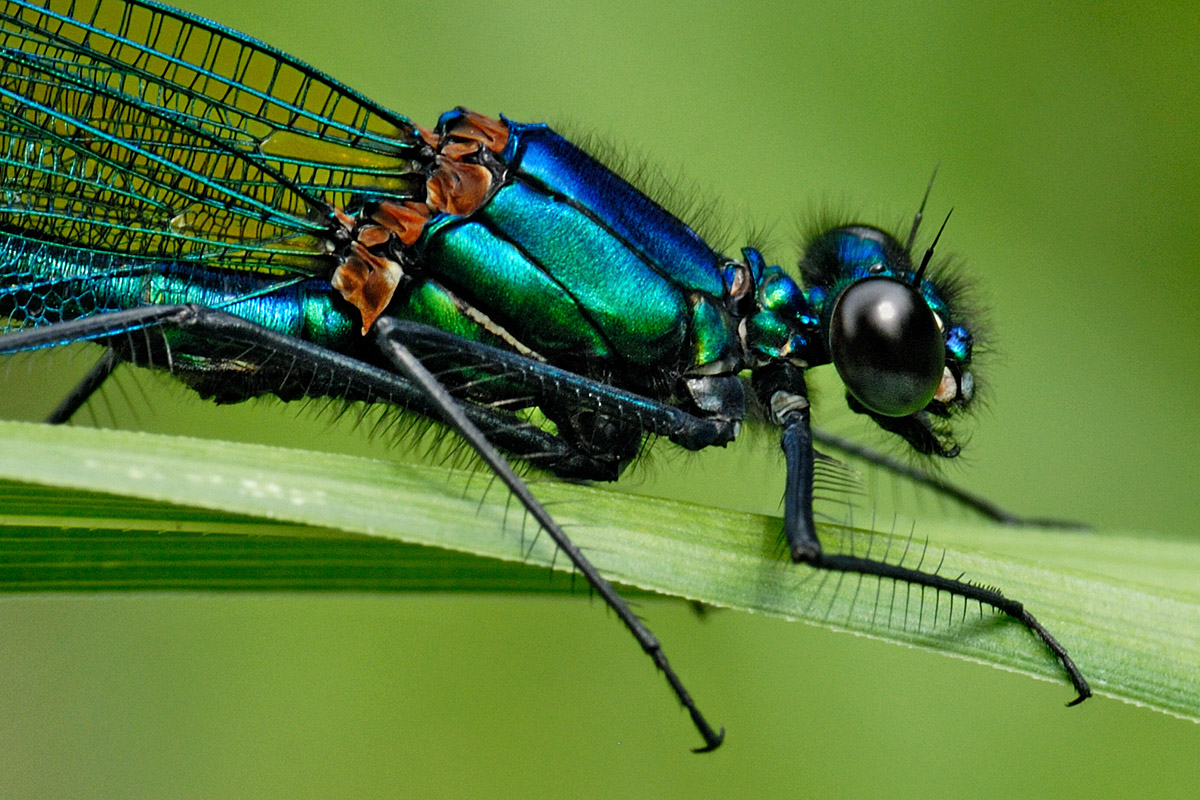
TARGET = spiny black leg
x,y
388,341
969,499
86,387
805,548
278,359
289,367
564,388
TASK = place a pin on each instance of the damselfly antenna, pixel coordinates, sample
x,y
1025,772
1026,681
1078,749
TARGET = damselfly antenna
x,y
929,252
912,235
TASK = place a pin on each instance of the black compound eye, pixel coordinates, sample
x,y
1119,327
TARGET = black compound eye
x,y
886,346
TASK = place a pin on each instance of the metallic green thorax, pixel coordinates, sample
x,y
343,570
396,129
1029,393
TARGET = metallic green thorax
x,y
569,263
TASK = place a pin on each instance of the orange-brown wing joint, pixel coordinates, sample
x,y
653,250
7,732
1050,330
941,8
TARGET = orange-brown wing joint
x,y
464,174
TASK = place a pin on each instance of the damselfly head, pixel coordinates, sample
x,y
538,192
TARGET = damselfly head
x,y
890,332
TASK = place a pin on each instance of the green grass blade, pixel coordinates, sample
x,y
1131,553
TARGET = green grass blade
x,y
87,509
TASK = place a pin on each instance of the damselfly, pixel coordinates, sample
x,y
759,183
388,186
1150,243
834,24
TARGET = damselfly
x,y
199,202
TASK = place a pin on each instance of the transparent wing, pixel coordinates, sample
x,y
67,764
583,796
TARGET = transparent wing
x,y
135,129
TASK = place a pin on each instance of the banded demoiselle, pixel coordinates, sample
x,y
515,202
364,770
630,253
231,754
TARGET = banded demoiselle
x,y
196,201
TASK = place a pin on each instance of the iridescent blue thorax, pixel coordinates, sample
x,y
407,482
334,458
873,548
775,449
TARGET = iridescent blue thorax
x,y
560,258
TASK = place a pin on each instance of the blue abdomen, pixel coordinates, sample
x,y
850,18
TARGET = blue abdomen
x,y
43,283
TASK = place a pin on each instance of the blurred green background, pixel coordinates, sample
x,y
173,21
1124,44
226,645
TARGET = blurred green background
x,y
1067,138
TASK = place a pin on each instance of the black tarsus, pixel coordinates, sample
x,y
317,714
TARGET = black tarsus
x,y
796,441
389,344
